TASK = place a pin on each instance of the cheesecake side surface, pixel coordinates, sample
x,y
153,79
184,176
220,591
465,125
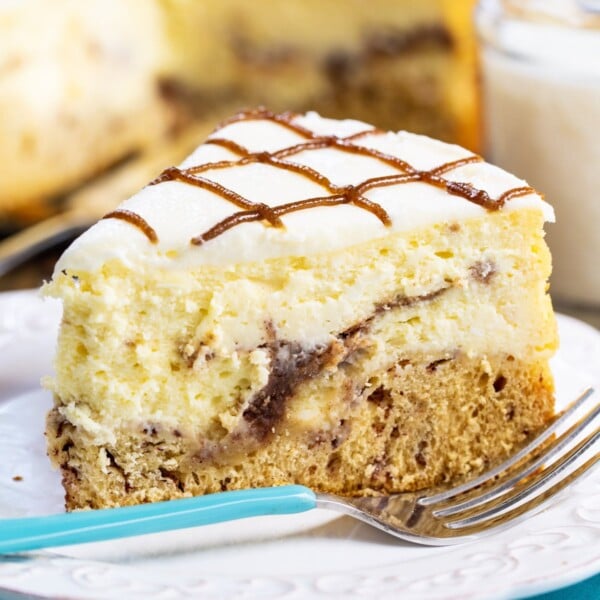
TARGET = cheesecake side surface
x,y
303,300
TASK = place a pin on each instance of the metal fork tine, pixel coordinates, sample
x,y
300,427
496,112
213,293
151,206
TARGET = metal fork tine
x,y
505,485
513,460
497,514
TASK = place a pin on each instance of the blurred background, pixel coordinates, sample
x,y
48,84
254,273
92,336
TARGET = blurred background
x,y
97,97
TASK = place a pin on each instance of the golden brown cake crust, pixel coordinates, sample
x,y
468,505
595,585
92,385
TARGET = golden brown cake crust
x,y
425,422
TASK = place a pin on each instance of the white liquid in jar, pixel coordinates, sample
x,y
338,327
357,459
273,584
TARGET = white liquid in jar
x,y
542,122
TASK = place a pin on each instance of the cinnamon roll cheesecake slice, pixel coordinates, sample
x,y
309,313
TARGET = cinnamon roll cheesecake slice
x,y
303,300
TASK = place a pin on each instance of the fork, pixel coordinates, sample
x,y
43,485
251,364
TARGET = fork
x,y
493,501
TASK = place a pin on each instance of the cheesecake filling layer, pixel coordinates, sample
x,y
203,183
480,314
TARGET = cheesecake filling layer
x,y
255,331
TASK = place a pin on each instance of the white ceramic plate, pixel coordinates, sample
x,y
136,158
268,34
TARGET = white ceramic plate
x,y
313,555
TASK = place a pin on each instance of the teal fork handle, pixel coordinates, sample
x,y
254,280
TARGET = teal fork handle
x,y
31,533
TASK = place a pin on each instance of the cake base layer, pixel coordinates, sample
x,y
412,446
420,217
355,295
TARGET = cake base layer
x,y
421,423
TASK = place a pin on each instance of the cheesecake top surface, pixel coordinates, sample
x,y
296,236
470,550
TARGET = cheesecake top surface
x,y
265,186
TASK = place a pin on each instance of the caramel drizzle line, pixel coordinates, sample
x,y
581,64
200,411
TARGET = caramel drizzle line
x,y
134,219
253,215
173,173
284,119
339,194
265,158
515,193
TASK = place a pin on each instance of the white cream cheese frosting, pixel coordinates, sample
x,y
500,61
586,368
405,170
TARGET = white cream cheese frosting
x,y
178,211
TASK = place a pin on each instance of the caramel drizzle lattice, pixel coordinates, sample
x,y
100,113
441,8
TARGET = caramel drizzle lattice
x,y
335,194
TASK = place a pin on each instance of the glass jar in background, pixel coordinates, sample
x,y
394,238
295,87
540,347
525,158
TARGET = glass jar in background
x,y
540,63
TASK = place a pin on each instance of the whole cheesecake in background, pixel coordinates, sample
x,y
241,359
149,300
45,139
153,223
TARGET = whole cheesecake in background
x,y
400,63
303,300
85,86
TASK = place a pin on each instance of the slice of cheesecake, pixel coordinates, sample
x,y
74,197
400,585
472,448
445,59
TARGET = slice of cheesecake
x,y
303,300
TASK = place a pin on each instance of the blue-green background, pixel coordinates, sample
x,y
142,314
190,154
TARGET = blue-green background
x,y
586,590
